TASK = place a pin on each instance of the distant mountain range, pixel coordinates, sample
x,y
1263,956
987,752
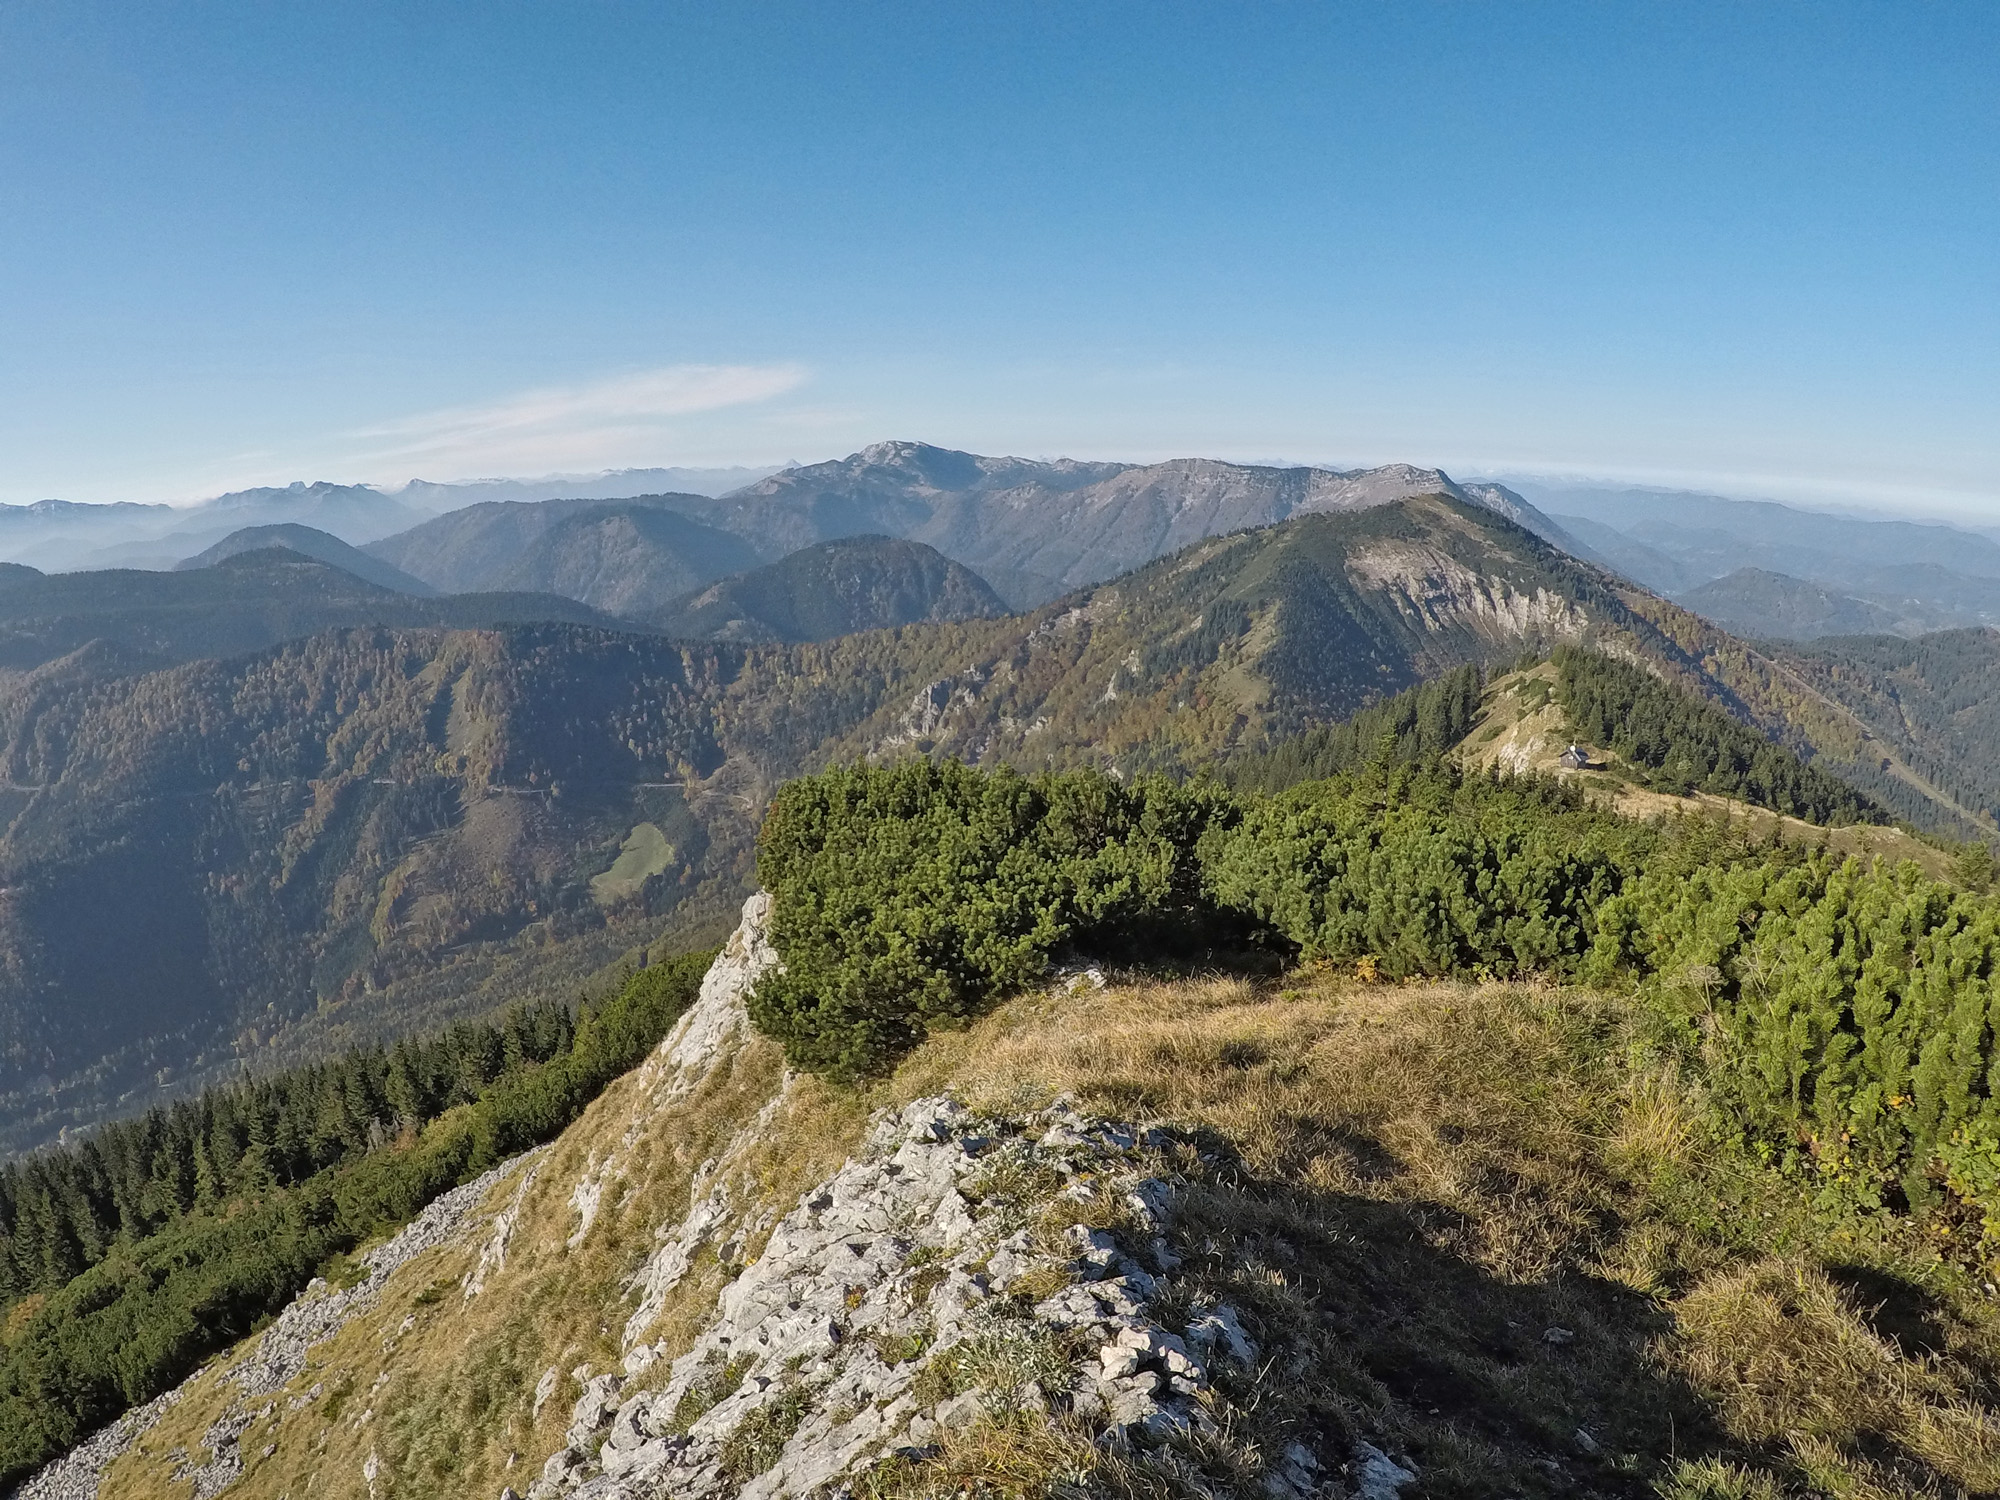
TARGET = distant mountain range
x,y
629,556
58,536
1033,529
264,585
1775,606
308,542
132,620
380,827
62,535
609,484
1774,571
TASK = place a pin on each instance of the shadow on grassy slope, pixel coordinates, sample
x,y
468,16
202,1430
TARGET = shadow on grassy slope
x,y
1475,1227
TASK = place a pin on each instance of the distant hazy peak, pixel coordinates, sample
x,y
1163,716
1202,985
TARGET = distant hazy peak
x,y
54,509
936,470
834,588
307,541
611,484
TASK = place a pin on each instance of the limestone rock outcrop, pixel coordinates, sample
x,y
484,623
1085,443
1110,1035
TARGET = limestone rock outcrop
x,y
960,1266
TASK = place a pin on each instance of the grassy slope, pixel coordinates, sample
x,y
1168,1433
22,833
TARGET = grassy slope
x,y
1407,1189
1521,728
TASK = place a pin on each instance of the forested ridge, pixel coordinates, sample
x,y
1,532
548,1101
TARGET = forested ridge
x,y
363,831
1935,699
1678,743
156,1304
833,589
265,836
64,1209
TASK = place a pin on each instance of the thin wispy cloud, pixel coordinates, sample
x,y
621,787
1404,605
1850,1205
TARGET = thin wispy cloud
x,y
628,418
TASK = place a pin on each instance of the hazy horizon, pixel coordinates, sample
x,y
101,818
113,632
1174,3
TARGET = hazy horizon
x,y
1833,499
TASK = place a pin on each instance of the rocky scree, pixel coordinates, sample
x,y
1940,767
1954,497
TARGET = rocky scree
x,y
958,1271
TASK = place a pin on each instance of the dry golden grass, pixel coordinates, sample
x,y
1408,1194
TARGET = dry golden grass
x,y
1864,841
443,1403
1792,1360
1410,1187
1462,1221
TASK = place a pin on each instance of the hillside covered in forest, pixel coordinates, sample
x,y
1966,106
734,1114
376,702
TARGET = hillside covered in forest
x,y
367,830
833,589
244,601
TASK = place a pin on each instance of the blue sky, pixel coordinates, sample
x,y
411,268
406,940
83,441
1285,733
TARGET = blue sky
x,y
1754,248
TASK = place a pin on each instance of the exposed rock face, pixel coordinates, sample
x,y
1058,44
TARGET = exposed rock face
x,y
1435,591
918,1290
959,1269
717,1019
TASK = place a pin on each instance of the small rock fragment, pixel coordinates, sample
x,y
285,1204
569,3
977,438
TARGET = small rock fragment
x,y
1378,1476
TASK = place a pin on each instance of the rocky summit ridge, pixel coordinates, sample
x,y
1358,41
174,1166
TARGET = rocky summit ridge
x,y
957,1268
875,1320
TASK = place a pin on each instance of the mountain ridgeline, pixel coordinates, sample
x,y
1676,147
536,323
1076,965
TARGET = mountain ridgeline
x,y
363,831
62,535
1031,529
628,560
1771,571
834,589
308,542
128,619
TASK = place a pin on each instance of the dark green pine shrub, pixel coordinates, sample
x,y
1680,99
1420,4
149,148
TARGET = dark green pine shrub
x,y
1846,1017
910,896
1844,1012
1426,870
